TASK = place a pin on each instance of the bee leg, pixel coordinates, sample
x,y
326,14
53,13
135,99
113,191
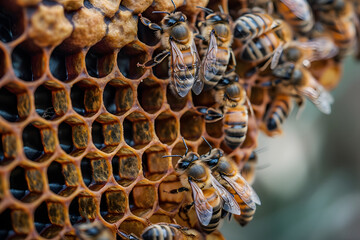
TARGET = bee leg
x,y
232,63
148,23
200,37
155,61
187,207
127,236
179,190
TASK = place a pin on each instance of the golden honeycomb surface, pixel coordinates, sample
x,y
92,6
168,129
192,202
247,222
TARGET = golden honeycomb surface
x,y
83,129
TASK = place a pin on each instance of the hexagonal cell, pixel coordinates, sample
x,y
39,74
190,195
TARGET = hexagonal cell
x,y
73,136
160,218
166,127
14,102
28,61
8,147
146,35
191,125
49,219
99,63
86,98
38,141
176,102
63,178
2,63
126,166
142,199
137,130
11,22
26,185
150,95
127,59
167,201
65,66
113,204
82,207
132,225
50,100
204,147
118,97
153,163
95,171
215,129
106,133
161,70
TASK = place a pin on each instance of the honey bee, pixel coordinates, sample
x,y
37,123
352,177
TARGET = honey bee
x,y
276,114
164,231
178,40
228,175
296,78
217,39
253,24
248,171
209,197
340,21
266,48
93,231
297,13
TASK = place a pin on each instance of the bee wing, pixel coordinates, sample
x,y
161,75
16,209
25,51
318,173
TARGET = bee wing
x,y
209,62
243,189
317,94
230,205
202,208
300,8
185,81
254,195
322,48
199,81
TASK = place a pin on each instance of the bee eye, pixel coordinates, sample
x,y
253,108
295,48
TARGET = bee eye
x,y
183,165
213,162
182,18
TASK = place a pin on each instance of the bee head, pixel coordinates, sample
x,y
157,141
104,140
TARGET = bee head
x,y
292,54
173,19
212,158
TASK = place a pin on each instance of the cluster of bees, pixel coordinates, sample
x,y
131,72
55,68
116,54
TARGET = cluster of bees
x,y
281,38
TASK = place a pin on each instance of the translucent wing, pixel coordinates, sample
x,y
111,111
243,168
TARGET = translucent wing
x,y
243,189
321,48
300,8
276,56
209,63
202,208
230,205
316,93
199,82
181,76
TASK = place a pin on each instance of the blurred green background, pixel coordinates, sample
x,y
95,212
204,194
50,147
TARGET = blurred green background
x,y
309,178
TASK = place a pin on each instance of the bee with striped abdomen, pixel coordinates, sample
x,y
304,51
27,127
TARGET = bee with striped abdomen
x,y
209,197
253,24
298,81
266,48
279,109
178,40
217,54
164,231
93,231
226,172
297,13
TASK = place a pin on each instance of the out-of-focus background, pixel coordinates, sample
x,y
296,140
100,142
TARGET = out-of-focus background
x,y
309,178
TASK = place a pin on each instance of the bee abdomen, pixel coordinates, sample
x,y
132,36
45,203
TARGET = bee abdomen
x,y
158,232
247,214
215,220
235,127
278,112
252,25
222,60
260,48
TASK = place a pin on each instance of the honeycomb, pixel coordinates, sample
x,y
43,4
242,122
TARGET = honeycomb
x,y
83,129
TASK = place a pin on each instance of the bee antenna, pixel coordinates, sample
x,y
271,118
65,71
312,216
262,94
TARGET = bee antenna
x,y
161,12
208,144
174,5
172,156
208,10
221,9
187,149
